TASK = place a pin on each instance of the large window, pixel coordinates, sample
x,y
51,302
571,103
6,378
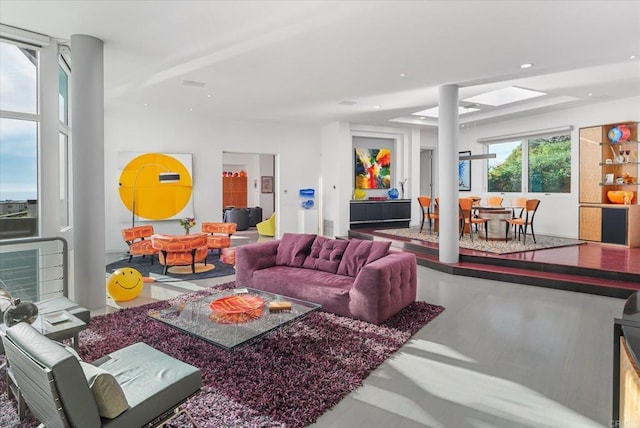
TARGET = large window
x,y
19,129
64,131
535,164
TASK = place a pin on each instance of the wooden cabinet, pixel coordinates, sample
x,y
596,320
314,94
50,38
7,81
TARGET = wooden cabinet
x,y
234,192
610,224
602,162
372,214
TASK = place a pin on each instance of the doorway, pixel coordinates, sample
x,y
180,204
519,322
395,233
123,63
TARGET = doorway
x,y
426,173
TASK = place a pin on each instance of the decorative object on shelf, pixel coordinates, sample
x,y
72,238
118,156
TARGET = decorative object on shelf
x,y
620,196
625,133
372,168
614,134
608,179
359,194
402,183
307,198
187,223
243,173
125,284
393,193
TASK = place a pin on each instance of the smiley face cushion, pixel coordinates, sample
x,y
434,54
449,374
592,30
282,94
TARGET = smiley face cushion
x,y
124,284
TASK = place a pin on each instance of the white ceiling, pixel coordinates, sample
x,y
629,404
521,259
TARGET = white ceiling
x,y
292,61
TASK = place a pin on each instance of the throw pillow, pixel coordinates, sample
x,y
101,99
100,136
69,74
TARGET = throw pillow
x,y
360,253
293,249
106,391
326,254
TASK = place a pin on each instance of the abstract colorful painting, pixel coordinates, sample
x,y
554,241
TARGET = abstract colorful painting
x,y
373,168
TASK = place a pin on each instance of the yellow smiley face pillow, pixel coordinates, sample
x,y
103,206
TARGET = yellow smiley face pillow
x,y
124,284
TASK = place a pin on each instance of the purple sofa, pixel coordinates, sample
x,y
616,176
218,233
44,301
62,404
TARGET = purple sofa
x,y
354,278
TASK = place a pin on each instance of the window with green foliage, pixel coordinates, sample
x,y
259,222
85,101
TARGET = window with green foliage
x,y
538,164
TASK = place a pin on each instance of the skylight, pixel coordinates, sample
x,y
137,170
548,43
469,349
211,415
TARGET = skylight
x,y
434,111
503,96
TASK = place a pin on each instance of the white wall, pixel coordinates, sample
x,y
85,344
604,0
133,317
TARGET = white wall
x,y
557,214
136,128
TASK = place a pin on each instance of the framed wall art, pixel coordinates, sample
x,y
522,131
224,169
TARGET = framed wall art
x,y
267,184
464,173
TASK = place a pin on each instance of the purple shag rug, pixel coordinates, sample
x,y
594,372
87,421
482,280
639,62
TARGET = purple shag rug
x,y
287,378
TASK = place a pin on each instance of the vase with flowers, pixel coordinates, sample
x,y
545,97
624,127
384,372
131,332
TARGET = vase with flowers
x,y
187,223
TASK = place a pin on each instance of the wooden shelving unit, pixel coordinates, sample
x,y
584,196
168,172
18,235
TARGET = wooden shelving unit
x,y
601,220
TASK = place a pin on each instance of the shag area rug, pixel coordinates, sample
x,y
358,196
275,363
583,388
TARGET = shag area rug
x,y
480,244
287,378
144,266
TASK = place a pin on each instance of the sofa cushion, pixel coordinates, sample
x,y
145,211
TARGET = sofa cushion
x,y
294,249
326,254
106,390
360,253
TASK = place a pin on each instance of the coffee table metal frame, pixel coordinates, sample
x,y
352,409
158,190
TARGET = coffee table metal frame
x,y
193,318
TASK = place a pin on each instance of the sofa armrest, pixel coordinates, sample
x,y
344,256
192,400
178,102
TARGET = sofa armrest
x,y
382,288
253,257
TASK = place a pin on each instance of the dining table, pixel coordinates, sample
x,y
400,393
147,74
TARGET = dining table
x,y
496,226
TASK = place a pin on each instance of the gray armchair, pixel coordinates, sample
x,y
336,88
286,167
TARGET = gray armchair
x,y
56,386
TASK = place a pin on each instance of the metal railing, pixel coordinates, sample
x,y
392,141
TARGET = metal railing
x,y
34,269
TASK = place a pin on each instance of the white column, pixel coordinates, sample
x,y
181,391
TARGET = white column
x,y
49,200
448,173
87,105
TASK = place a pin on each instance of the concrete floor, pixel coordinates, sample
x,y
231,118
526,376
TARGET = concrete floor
x,y
500,355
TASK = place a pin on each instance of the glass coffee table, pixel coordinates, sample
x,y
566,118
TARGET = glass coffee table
x,y
235,316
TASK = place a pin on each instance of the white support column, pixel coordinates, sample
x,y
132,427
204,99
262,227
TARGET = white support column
x,y
87,101
49,200
448,173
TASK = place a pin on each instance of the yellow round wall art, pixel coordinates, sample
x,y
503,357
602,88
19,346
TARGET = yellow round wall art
x,y
124,284
140,183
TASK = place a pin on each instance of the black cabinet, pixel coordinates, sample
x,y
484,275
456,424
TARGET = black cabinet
x,y
372,214
614,225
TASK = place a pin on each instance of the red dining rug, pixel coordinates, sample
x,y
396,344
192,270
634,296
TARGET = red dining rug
x,y
287,378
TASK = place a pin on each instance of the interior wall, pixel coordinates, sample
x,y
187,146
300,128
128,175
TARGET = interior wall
x,y
144,129
266,199
558,213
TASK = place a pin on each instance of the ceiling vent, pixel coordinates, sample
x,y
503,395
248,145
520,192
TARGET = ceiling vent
x,y
193,83
347,103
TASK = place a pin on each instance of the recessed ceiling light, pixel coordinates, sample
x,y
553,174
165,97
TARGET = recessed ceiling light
x,y
146,105
193,83
590,94
377,106
209,95
402,74
632,57
526,65
190,108
422,118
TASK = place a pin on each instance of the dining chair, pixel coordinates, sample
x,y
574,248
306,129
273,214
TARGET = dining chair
x,y
517,208
425,206
524,223
467,217
494,201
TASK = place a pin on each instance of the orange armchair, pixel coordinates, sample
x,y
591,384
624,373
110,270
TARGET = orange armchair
x,y
181,250
219,235
138,245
